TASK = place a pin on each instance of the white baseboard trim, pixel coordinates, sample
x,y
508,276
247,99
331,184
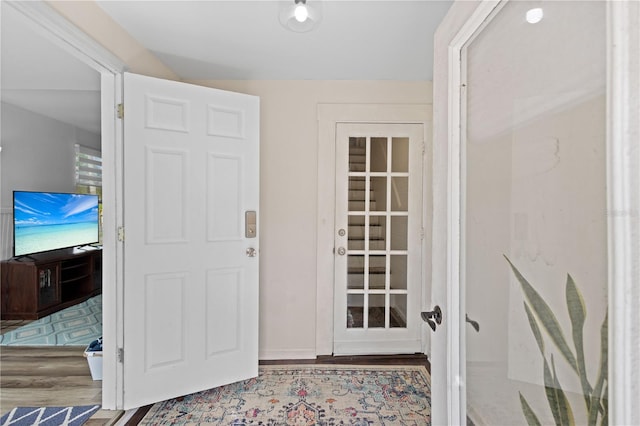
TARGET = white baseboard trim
x,y
270,355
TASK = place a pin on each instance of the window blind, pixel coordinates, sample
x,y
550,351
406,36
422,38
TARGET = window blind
x,y
88,166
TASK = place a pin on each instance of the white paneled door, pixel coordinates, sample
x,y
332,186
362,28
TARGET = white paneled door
x,y
191,173
378,238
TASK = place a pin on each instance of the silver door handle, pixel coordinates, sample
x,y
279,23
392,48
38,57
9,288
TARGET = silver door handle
x,y
251,252
342,251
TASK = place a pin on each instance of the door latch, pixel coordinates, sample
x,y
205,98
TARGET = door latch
x,y
432,317
250,224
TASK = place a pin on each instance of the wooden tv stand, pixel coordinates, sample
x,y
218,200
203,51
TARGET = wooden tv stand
x,y
41,284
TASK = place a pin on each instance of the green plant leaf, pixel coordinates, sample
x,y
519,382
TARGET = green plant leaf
x,y
529,414
550,391
564,408
598,401
546,317
577,314
534,327
605,406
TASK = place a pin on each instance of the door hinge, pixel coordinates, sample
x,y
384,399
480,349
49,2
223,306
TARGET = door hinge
x,y
422,233
120,355
120,111
121,233
424,149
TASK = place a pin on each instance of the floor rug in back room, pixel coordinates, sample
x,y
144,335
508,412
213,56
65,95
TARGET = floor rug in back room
x,y
308,395
77,325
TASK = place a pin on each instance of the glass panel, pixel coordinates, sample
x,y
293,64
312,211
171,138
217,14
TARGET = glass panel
x,y
377,271
355,308
376,311
399,272
357,154
400,194
398,311
47,285
399,232
378,194
378,154
355,272
535,194
377,232
356,233
357,194
400,155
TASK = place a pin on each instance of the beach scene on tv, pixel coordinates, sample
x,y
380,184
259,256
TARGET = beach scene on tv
x,y
46,221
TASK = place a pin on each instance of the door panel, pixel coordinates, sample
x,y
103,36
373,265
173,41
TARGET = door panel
x,y
527,226
378,238
191,292
534,203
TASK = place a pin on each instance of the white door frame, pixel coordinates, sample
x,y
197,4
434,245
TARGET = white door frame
x,y
329,115
56,28
623,204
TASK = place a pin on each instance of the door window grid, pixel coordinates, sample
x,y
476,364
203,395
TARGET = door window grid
x,y
377,216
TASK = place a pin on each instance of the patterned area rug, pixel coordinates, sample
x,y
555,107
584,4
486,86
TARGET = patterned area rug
x,y
77,325
323,395
48,416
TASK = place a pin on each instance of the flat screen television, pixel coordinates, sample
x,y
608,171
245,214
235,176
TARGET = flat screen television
x,y
45,221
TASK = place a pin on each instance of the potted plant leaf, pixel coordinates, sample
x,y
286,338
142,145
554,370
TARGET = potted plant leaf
x,y
542,318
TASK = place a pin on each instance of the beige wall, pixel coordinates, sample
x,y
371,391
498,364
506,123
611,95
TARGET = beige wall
x,y
288,175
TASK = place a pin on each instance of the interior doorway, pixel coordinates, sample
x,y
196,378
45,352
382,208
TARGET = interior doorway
x,y
375,122
378,235
51,135
44,19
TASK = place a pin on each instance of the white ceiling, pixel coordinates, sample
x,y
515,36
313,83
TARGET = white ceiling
x,y
355,40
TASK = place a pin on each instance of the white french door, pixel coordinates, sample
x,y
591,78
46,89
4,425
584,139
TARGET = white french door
x,y
191,195
378,238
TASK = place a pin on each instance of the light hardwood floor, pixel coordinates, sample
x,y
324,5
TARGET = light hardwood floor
x,y
50,376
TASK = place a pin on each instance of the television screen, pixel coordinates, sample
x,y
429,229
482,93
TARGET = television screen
x,y
46,221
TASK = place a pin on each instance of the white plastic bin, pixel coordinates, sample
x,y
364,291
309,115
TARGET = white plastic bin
x,y
94,358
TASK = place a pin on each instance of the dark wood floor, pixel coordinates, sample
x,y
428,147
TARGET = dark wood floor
x,y
417,359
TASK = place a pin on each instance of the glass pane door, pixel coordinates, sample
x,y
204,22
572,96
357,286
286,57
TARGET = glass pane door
x,y
534,263
379,192
377,242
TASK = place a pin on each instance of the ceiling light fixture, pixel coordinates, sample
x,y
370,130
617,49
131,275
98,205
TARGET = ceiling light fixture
x,y
300,15
534,15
